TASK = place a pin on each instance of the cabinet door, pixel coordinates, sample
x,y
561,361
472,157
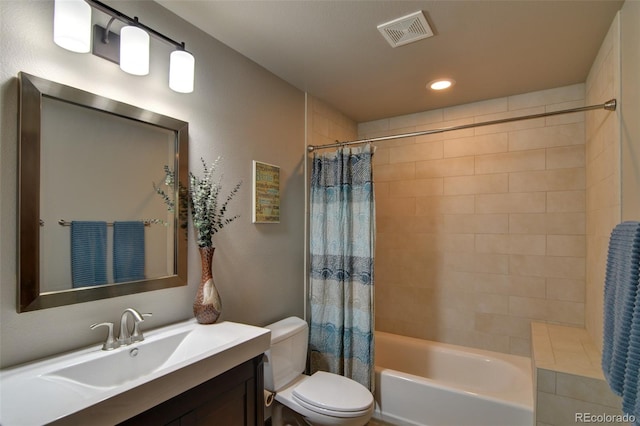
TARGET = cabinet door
x,y
227,409
230,399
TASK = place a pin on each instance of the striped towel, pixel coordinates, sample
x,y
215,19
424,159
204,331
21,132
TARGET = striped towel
x,y
128,251
88,253
621,336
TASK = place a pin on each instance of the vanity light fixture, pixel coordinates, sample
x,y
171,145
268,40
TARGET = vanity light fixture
x,y
130,49
441,84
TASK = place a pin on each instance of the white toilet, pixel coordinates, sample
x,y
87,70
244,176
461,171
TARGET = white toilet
x,y
320,399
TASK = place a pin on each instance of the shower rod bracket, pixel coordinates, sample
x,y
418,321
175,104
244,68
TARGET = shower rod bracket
x,y
610,105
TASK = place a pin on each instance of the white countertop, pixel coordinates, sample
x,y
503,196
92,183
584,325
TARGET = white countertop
x,y
37,393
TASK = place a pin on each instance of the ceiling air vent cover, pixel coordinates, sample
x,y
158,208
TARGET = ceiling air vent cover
x,y
407,29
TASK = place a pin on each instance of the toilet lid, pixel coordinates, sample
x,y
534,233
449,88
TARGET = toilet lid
x,y
332,392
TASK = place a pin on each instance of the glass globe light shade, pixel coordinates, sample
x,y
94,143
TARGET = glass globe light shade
x,y
181,71
72,25
134,50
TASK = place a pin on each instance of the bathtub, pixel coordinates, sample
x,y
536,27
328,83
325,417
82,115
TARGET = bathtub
x,y
419,382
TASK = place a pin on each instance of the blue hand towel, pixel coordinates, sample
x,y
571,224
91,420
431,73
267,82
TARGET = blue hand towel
x,y
621,336
128,251
88,253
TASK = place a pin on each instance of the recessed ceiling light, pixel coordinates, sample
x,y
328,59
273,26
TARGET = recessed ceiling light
x,y
441,84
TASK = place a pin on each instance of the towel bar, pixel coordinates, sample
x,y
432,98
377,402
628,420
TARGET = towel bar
x,y
63,222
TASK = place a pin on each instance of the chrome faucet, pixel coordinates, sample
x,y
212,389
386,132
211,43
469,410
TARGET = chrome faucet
x,y
136,335
110,343
125,337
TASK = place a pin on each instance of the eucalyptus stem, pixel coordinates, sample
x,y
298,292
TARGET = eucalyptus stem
x,y
202,195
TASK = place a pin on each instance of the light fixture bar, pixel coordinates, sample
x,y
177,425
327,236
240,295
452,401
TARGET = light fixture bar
x,y
133,21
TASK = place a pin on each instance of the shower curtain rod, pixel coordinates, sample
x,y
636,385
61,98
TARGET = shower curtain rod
x,y
609,106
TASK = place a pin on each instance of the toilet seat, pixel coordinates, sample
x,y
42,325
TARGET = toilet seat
x,y
333,395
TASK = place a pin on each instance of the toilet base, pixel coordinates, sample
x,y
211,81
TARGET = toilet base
x,y
281,415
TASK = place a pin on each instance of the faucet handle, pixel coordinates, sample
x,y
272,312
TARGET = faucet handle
x,y
137,336
110,343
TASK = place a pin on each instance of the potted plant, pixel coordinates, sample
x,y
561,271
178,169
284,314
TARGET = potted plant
x,y
208,215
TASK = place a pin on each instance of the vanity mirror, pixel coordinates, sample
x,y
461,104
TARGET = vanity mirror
x,y
86,158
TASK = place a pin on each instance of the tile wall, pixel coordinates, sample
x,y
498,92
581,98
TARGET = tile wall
x,y
326,125
603,174
480,231
570,387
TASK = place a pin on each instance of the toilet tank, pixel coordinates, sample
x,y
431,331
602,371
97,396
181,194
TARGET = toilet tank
x,y
287,356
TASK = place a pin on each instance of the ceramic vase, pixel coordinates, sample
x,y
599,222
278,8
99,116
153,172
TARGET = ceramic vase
x,y
207,305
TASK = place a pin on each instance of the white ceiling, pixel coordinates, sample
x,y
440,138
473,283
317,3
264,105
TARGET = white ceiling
x,y
333,50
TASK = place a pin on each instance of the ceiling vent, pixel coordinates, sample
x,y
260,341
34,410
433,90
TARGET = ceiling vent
x,y
407,29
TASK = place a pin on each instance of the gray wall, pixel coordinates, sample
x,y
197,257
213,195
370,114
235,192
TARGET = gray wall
x,y
238,110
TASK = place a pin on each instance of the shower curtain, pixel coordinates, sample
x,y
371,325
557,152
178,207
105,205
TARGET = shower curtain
x,y
342,233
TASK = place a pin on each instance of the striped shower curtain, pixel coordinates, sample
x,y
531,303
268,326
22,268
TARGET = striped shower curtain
x,y
342,232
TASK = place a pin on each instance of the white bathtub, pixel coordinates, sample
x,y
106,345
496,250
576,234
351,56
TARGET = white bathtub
x,y
419,382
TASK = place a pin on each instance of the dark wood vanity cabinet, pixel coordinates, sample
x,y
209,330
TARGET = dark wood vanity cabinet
x,y
232,398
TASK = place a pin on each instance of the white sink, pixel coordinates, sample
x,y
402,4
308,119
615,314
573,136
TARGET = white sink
x,y
127,363
43,391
